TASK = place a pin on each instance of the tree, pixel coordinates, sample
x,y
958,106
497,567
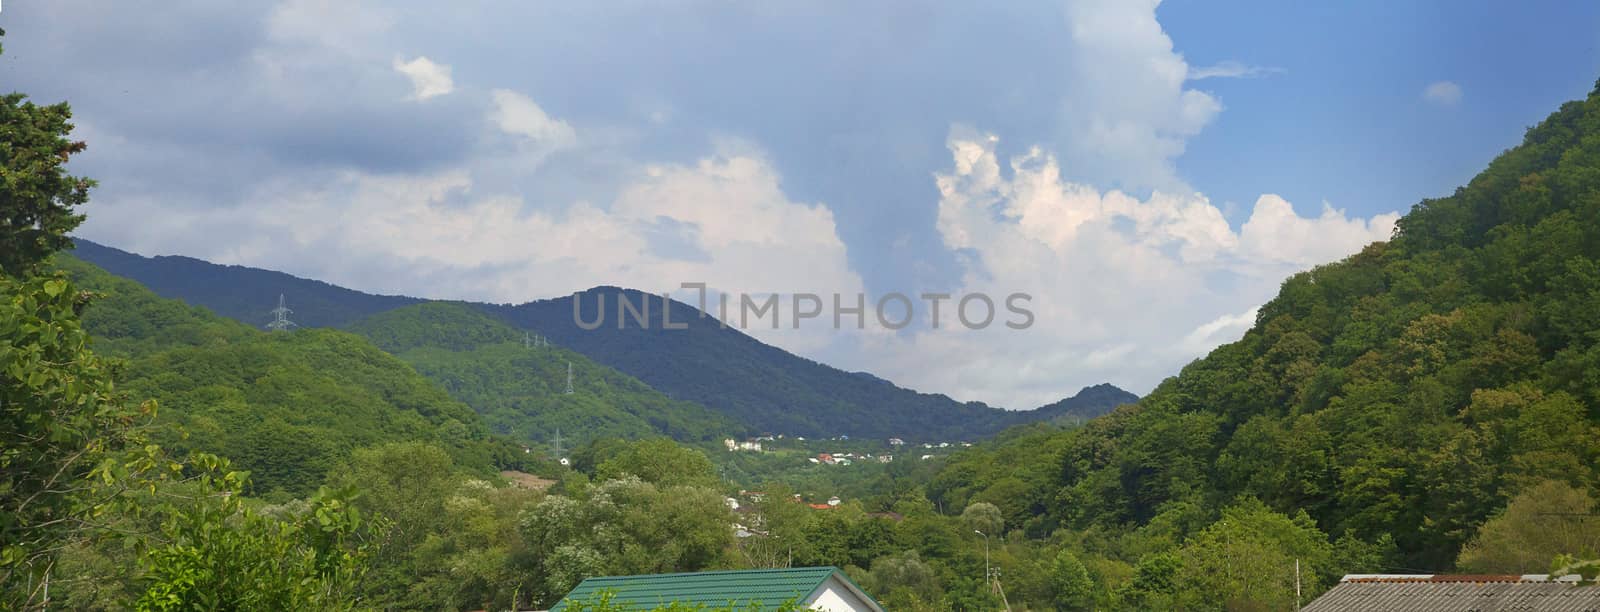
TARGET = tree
x,y
38,195
1071,584
624,526
985,517
407,483
219,554
61,422
903,581
659,461
1246,560
1547,520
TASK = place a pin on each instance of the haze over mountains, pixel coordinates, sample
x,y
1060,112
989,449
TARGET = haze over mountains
x,y
759,387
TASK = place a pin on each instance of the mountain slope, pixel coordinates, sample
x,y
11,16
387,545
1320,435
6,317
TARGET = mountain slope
x,y
1404,392
286,406
1089,403
244,294
518,386
759,384
763,387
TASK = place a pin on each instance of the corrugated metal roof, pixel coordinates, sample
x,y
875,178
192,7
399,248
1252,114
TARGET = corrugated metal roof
x,y
1457,594
766,588
1457,578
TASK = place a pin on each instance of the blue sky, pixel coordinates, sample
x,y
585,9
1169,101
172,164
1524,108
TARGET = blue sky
x,y
1345,122
1148,173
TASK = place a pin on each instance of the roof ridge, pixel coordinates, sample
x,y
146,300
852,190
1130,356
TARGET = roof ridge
x,y
776,570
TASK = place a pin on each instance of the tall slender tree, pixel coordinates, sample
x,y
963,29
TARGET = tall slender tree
x,y
38,197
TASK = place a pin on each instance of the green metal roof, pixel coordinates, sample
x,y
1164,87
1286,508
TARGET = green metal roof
x,y
766,588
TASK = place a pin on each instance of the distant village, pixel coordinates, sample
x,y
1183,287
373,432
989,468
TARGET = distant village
x,y
895,447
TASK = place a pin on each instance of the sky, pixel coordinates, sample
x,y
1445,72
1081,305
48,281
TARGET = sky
x,y
1148,173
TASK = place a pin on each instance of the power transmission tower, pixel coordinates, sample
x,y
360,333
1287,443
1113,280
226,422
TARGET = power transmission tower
x,y
280,317
569,378
555,445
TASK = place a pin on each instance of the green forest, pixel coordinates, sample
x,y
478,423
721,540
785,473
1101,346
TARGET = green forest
x,y
1429,405
517,380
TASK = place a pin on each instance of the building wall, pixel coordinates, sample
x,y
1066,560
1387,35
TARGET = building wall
x,y
834,596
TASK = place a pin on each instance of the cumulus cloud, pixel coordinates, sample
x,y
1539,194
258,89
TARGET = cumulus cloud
x,y
1128,114
291,135
1124,289
515,113
428,79
443,235
1443,93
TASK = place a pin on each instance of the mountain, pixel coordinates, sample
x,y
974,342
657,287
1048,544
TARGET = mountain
x,y
764,388
1399,397
517,381
1088,403
244,294
287,406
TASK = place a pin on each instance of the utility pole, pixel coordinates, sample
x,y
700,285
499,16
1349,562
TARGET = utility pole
x,y
1297,585
988,572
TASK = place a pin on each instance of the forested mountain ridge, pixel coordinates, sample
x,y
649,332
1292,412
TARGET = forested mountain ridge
x,y
763,388
761,385
1087,404
1407,392
286,406
237,292
516,379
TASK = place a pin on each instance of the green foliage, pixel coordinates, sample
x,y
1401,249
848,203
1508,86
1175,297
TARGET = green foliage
x,y
449,541
287,407
623,527
903,581
661,462
218,554
1247,559
63,425
520,390
1541,523
38,193
984,517
451,326
1070,583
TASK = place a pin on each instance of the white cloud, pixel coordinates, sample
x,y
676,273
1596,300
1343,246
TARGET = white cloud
x,y
1223,329
516,114
1275,233
1124,289
443,235
1128,284
1127,115
1231,69
1444,93
428,79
